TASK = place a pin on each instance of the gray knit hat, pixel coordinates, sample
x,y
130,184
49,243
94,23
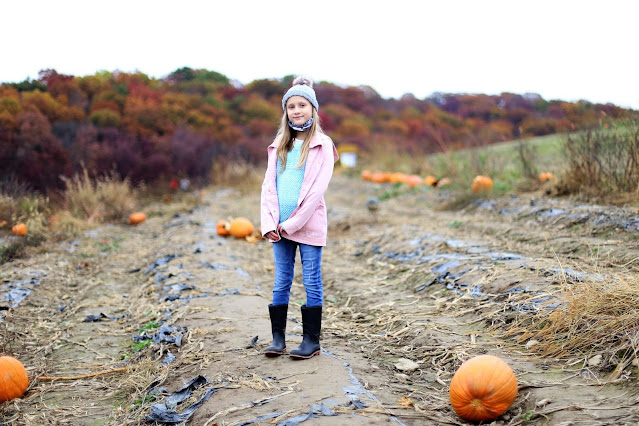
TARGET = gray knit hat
x,y
302,86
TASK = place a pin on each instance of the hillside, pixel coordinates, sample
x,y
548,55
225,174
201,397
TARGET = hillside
x,y
196,121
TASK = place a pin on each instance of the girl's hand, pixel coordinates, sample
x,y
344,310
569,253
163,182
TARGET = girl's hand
x,y
272,236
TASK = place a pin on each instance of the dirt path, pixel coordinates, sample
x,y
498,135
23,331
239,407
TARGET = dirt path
x,y
406,282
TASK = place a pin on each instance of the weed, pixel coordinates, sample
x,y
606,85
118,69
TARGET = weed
x,y
142,344
151,325
529,159
12,251
603,161
528,415
148,398
392,192
104,199
108,247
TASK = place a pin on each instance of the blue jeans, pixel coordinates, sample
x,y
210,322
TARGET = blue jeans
x,y
284,253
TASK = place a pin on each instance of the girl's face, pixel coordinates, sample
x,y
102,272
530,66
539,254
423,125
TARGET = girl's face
x,y
298,110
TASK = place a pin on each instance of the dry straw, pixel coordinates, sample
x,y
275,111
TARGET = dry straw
x,y
595,317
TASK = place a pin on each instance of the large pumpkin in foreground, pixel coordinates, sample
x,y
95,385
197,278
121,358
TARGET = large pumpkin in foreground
x,y
13,378
483,388
240,227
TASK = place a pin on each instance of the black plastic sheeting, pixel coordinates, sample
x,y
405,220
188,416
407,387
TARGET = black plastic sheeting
x,y
14,292
169,358
253,342
228,292
260,418
101,316
166,412
315,411
165,334
174,292
161,261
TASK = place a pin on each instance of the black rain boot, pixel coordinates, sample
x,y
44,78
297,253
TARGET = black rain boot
x,y
312,325
278,327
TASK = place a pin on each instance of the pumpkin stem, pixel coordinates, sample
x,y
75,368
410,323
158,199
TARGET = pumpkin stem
x,y
477,403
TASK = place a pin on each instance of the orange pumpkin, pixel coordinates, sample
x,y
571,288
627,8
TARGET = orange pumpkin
x,y
483,388
367,175
20,229
240,227
397,177
482,184
379,177
430,180
222,228
13,378
546,176
136,218
414,180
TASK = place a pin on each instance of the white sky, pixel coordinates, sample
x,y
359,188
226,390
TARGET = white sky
x,y
561,49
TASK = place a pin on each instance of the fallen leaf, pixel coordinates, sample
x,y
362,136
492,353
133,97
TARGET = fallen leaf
x,y
405,402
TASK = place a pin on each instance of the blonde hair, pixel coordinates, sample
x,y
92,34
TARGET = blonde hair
x,y
285,138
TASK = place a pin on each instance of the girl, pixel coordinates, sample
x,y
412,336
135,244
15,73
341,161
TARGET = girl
x,y
293,213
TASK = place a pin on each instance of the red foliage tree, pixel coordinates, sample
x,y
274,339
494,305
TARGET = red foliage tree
x,y
39,157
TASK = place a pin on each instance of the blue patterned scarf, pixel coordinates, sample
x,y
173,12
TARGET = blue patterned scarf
x,y
303,127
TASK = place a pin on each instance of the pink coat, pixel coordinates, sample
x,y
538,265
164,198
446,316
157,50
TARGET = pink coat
x,y
308,222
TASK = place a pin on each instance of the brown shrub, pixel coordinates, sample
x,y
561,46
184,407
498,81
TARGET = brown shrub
x,y
603,161
105,199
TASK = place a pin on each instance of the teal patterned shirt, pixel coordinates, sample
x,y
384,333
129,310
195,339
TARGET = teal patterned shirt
x,y
289,182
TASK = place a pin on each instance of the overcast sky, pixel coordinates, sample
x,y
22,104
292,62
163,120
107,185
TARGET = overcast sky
x,y
561,49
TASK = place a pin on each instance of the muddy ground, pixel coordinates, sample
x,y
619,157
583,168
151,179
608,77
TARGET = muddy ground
x,y
124,316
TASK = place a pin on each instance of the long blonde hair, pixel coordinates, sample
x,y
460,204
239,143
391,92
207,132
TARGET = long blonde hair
x,y
285,138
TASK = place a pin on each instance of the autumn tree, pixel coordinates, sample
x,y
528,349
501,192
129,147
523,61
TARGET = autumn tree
x,y
38,157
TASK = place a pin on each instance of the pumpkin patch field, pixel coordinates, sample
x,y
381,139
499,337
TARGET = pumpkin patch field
x,y
165,322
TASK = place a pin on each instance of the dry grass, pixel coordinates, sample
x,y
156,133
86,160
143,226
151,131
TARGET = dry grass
x,y
88,202
7,207
106,199
239,174
596,317
11,190
31,210
603,161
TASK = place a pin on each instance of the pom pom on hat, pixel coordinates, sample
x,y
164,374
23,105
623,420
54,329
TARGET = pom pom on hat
x,y
303,79
302,86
